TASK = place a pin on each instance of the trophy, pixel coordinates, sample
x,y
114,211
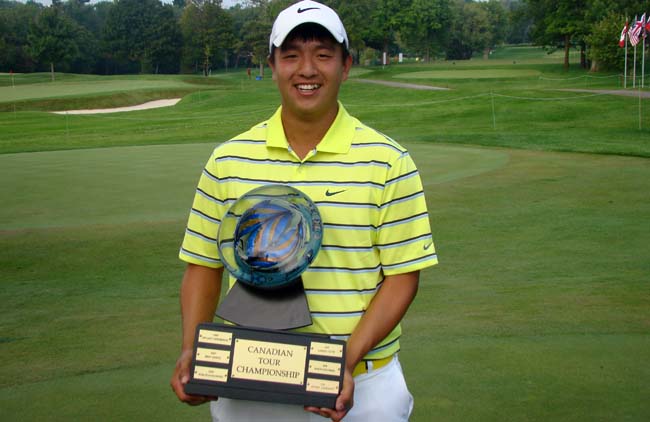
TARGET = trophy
x,y
266,240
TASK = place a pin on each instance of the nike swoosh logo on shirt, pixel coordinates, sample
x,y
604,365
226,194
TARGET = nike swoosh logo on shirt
x,y
328,193
427,246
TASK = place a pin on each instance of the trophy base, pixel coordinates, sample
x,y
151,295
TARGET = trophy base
x,y
263,365
282,309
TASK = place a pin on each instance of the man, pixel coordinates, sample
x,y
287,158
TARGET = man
x,y
376,229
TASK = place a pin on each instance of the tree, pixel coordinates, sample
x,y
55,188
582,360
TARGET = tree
x,y
425,25
164,48
519,22
470,30
609,18
3,43
15,21
207,31
240,18
142,32
498,25
559,22
355,18
605,53
386,20
90,24
256,31
53,37
599,9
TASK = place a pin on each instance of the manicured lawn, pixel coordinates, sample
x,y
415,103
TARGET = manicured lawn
x,y
539,309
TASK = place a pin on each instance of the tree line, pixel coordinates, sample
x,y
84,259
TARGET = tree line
x,y
197,36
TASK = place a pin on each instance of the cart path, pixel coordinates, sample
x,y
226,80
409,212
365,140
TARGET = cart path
x,y
401,85
622,92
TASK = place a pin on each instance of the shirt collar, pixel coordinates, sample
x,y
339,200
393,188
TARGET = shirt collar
x,y
337,139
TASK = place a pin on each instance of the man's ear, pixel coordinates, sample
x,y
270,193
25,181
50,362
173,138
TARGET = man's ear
x,y
347,65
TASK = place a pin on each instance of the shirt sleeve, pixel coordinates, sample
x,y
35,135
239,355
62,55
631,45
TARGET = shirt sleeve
x,y
210,204
404,235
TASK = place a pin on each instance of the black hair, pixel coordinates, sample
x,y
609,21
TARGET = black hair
x,y
309,32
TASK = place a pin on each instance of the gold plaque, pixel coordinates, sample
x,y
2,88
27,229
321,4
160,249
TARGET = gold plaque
x,y
271,362
215,337
210,374
275,366
326,349
315,385
204,354
324,368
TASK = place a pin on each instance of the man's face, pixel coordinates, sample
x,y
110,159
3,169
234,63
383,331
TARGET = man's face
x,y
309,74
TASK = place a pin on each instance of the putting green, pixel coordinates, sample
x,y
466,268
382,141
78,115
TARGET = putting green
x,y
470,74
99,186
75,89
441,163
114,185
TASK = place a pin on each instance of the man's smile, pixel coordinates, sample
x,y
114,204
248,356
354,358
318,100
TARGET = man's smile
x,y
308,87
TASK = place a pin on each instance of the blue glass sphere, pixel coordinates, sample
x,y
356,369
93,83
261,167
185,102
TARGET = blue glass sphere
x,y
269,236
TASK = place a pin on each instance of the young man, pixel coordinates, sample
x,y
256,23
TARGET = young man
x,y
376,229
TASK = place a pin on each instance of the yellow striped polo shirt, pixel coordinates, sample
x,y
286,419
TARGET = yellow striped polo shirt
x,y
370,197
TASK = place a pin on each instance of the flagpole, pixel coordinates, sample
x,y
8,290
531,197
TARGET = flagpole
x,y
643,59
643,64
634,70
625,36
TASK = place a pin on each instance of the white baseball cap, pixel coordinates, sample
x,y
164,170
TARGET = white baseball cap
x,y
307,11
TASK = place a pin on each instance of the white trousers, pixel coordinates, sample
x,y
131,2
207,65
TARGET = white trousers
x,y
379,396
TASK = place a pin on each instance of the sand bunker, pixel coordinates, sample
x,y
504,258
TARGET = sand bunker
x,y
145,106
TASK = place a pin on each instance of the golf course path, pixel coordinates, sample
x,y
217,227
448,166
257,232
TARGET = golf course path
x,y
402,85
622,92
144,106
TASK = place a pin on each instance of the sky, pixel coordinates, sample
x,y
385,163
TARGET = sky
x,y
226,3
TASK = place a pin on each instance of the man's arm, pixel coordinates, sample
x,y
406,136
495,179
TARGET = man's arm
x,y
386,310
200,292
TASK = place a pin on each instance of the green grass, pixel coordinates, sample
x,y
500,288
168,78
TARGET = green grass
x,y
486,105
539,309
35,92
75,89
532,54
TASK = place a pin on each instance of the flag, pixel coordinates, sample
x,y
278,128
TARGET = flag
x,y
621,42
635,31
642,24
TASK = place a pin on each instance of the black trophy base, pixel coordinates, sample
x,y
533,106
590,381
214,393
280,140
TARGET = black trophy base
x,y
265,396
264,365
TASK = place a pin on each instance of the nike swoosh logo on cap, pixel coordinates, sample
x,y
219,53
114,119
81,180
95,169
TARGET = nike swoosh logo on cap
x,y
307,8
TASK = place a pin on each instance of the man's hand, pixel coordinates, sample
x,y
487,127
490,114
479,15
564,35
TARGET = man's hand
x,y
181,376
384,313
344,401
200,292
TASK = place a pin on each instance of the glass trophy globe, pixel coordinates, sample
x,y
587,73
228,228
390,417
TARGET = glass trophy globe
x,y
269,237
